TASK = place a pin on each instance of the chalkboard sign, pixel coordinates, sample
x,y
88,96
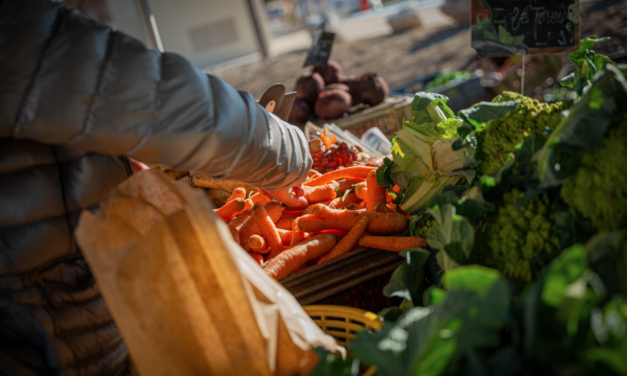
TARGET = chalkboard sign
x,y
320,49
524,27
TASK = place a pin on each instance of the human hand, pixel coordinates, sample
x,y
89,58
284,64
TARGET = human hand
x,y
292,197
299,191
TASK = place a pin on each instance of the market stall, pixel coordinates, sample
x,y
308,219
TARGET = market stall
x,y
489,240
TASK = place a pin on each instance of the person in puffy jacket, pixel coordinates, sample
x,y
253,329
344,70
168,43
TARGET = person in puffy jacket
x,y
76,99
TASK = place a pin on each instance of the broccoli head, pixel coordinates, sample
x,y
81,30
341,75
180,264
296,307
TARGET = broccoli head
x,y
598,190
518,239
500,136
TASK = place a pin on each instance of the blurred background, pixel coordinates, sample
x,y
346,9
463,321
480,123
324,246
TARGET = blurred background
x,y
412,44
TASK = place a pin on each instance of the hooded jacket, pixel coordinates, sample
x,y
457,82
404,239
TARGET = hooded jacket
x,y
77,98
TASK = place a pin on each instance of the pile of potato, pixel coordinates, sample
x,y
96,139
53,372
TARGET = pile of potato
x,y
326,93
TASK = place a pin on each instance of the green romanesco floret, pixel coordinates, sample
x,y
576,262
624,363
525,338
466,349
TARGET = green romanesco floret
x,y
422,232
420,225
501,135
516,237
598,190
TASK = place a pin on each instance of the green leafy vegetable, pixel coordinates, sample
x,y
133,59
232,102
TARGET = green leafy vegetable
x,y
482,112
608,258
452,235
585,127
406,281
558,311
329,364
419,225
609,326
586,63
473,278
435,339
424,159
442,78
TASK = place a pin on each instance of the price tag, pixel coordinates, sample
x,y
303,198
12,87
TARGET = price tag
x,y
524,27
320,49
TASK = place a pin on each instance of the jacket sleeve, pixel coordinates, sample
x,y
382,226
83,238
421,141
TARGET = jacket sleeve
x,y
67,80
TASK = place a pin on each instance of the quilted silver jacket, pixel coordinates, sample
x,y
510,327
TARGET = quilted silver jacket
x,y
77,98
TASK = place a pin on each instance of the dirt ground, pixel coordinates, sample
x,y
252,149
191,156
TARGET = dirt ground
x,y
406,57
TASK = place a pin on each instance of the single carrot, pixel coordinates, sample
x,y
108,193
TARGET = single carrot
x,y
268,230
348,241
260,198
361,189
308,209
353,206
375,193
363,204
392,243
284,224
250,227
258,244
288,198
324,217
283,264
347,184
319,193
338,233
302,267
381,208
231,209
257,256
392,207
333,184
297,235
286,236
344,173
248,204
234,234
240,219
291,214
312,223
396,189
237,193
343,201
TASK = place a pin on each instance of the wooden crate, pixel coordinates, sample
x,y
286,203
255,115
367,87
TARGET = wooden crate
x,y
355,279
387,116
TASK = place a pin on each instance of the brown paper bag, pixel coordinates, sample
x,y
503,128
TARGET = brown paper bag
x,y
186,298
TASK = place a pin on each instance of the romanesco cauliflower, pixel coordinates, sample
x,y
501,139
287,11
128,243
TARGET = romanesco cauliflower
x,y
420,225
516,237
599,188
501,135
425,229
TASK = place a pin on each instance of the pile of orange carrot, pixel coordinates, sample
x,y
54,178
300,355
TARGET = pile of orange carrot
x,y
339,211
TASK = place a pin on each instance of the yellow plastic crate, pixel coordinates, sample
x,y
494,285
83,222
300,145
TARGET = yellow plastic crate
x,y
343,323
